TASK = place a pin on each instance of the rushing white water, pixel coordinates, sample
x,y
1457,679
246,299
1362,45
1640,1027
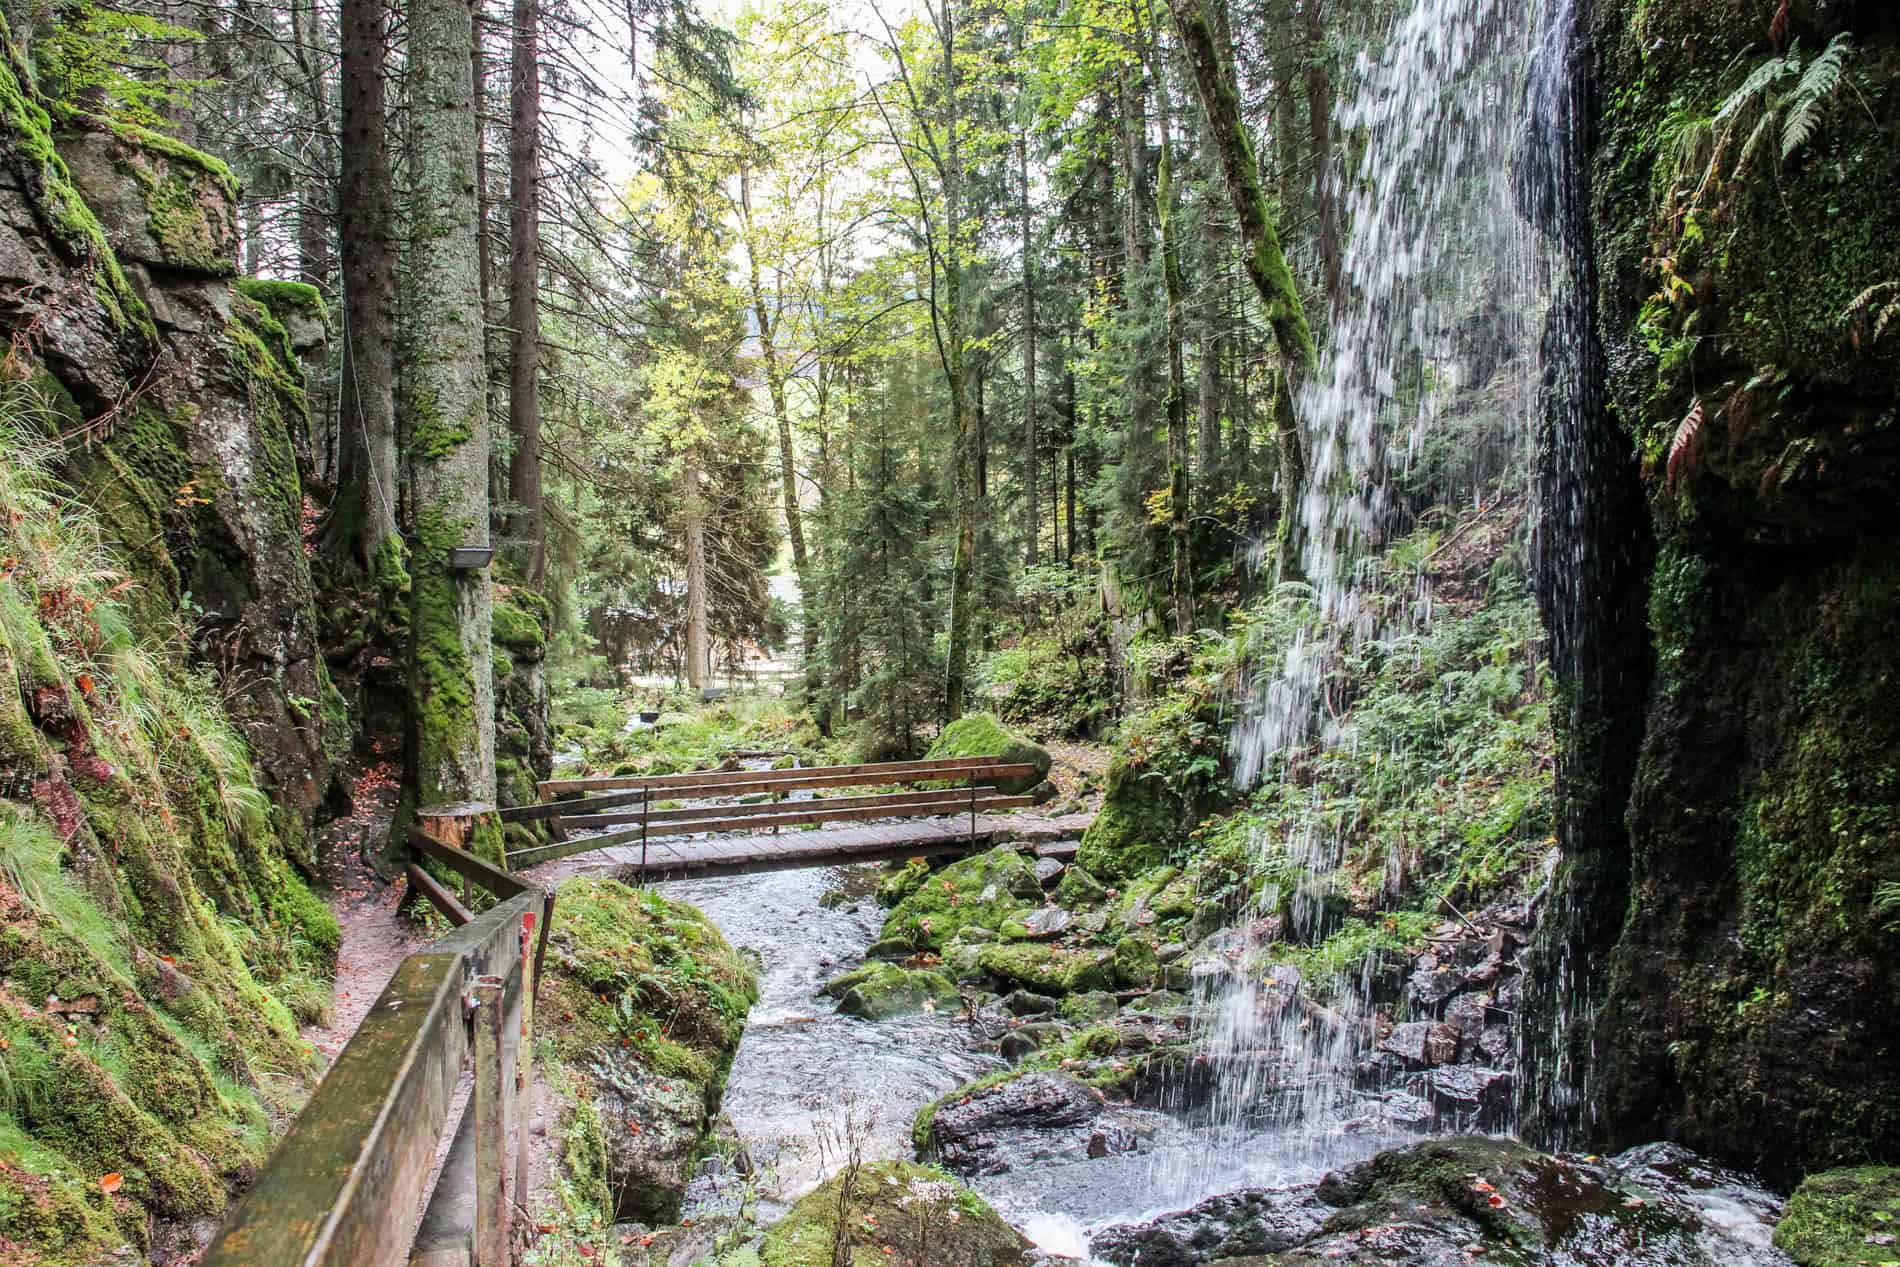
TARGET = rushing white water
x,y
1426,395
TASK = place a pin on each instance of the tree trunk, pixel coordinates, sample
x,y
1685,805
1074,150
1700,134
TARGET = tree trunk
x,y
963,564
1030,520
768,323
1319,110
452,708
1266,265
313,190
693,516
361,527
524,307
1180,569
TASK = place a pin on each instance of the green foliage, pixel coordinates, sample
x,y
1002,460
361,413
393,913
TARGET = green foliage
x,y
114,57
1843,1218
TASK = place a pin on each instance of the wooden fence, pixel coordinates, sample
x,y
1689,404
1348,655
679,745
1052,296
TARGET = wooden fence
x,y
347,1183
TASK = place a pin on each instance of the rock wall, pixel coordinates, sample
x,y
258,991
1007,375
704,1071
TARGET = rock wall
x,y
1746,999
181,404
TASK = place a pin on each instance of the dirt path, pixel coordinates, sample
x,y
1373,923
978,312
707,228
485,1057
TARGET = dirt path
x,y
375,937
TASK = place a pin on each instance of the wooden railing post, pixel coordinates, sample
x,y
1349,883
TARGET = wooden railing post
x,y
491,1104
646,798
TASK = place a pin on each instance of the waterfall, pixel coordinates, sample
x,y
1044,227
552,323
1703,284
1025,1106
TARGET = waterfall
x,y
1449,286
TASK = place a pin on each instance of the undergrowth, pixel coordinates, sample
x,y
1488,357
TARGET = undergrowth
x,y
156,948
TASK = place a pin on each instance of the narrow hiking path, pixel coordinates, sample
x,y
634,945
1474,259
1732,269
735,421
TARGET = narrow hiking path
x,y
376,937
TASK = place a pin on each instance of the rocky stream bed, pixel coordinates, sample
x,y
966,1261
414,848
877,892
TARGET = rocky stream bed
x,y
1091,1116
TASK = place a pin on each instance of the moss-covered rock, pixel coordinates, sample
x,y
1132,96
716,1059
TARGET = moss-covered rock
x,y
1047,969
892,1211
985,890
879,991
1141,821
645,1003
1843,1218
981,735
158,949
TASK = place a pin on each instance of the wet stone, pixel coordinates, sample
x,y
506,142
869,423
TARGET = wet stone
x,y
1423,1044
1433,981
1045,922
1232,1225
1049,871
1028,1119
1025,1003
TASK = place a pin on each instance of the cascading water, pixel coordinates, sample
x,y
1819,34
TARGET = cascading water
x,y
1427,395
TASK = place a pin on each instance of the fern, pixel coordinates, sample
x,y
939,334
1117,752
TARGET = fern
x,y
1867,303
1682,449
1757,83
1805,105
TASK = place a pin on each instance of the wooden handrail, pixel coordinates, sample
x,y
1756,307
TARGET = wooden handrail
x,y
709,778
587,822
346,1184
806,780
797,814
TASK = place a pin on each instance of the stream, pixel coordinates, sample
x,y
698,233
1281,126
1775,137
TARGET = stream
x,y
802,1069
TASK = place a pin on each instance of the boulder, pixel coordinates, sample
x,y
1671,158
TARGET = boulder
x,y
1841,1218
1422,1044
1220,1228
893,1212
879,991
987,890
1048,969
981,735
996,1128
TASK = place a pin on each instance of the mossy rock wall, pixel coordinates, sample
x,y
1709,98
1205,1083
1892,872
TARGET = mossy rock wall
x,y
183,405
1753,990
157,947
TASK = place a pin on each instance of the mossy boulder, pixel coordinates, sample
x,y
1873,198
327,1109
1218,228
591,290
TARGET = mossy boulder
x,y
902,881
985,890
1054,970
879,991
892,1212
981,735
1843,1218
1139,825
160,202
645,1002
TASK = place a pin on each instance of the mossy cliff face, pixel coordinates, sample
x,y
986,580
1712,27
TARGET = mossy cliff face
x,y
1753,990
157,948
182,402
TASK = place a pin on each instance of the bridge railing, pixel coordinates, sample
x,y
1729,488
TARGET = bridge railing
x,y
644,807
348,1184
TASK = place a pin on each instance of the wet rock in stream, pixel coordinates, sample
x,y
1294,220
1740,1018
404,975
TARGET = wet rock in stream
x,y
1035,1117
1462,1201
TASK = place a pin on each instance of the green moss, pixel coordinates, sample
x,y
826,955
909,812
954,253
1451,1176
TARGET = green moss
x,y
518,625
60,207
1838,1218
892,1211
981,735
985,890
1048,969
1138,827
879,991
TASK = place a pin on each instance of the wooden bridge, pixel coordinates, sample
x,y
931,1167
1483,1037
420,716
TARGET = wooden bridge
x,y
362,1178
626,817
